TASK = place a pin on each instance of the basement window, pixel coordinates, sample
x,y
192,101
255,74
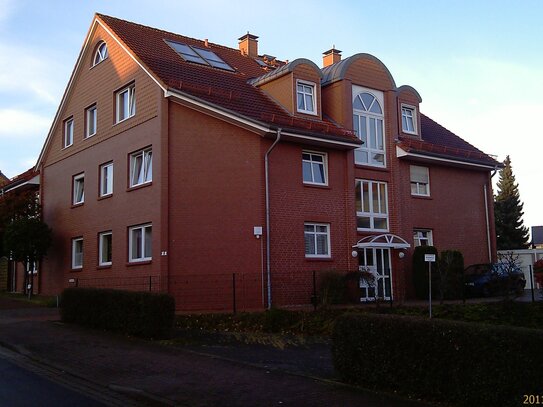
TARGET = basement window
x,y
199,56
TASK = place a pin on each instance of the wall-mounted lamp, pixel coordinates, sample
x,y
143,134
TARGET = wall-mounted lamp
x,y
354,253
401,255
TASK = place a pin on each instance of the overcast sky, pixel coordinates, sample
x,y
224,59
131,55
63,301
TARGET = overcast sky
x,y
478,65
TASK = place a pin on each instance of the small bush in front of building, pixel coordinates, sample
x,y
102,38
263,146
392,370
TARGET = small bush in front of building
x,y
420,271
450,275
333,287
143,314
461,363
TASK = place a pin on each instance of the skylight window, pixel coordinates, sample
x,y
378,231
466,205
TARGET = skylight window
x,y
199,56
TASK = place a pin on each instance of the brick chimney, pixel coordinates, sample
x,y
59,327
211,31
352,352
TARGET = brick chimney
x,y
248,45
331,57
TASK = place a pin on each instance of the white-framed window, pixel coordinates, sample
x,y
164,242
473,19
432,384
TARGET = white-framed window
x,y
420,180
409,119
105,244
77,253
306,97
317,240
371,205
106,179
141,167
314,168
100,54
368,125
90,121
126,103
78,196
68,138
422,237
140,243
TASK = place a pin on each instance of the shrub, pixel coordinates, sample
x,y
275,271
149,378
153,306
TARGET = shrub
x,y
450,274
143,314
332,288
538,266
466,364
420,271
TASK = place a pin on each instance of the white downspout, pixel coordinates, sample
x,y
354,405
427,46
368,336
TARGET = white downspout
x,y
266,171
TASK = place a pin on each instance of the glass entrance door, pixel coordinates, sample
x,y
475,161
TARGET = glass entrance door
x,y
376,282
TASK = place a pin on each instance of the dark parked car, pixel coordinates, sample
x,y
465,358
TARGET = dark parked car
x,y
485,280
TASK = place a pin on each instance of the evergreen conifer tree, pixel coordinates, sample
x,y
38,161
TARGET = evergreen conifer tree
x,y
510,230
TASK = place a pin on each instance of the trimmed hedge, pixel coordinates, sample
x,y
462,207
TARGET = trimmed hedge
x,y
143,314
456,362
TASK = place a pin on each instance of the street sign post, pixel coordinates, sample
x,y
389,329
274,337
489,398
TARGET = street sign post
x,y
430,258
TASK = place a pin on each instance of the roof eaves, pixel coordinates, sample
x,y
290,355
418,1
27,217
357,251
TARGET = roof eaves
x,y
487,162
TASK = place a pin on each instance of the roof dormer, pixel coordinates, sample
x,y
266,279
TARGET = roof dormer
x,y
408,111
295,86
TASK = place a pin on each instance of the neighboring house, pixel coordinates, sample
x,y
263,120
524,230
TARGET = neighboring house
x,y
12,273
3,179
180,165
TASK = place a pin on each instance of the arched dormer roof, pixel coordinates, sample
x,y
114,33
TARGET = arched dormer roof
x,y
410,89
337,71
284,70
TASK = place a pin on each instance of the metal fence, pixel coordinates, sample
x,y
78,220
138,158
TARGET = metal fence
x,y
192,292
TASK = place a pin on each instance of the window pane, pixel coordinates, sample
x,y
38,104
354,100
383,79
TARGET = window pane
x,y
355,125
148,241
357,103
367,99
373,134
383,198
414,188
306,168
318,173
309,102
123,105
378,159
137,169
322,244
148,166
380,223
309,243
375,197
404,123
365,197
364,131
363,222
136,243
360,156
132,96
358,197
379,135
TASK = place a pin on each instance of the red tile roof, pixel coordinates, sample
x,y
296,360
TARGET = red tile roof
x,y
233,91
229,90
440,142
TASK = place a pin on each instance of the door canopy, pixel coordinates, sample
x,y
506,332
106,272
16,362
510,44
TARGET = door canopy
x,y
387,240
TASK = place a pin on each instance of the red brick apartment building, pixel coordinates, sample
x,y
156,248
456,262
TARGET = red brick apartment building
x,y
179,165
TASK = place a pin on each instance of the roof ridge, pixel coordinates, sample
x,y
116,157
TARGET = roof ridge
x,y
158,30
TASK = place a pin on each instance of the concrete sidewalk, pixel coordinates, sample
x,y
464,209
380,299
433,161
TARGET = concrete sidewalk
x,y
153,374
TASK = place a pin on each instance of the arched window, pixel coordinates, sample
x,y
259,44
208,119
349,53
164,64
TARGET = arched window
x,y
101,53
368,125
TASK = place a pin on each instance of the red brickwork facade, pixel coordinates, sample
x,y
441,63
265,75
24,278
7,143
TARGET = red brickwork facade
x,y
208,189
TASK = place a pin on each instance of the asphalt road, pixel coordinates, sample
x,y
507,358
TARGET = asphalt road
x,y
22,387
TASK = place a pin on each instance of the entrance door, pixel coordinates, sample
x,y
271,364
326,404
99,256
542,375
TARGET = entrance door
x,y
377,262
